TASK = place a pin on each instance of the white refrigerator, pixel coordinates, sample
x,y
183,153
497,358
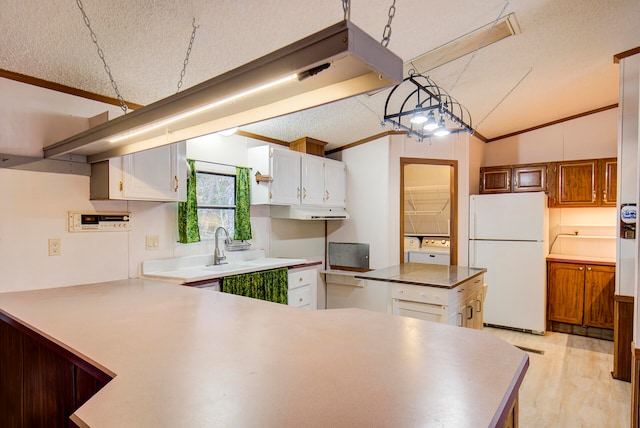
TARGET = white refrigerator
x,y
509,236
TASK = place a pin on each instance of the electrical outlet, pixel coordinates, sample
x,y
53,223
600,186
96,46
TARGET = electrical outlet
x,y
54,247
152,242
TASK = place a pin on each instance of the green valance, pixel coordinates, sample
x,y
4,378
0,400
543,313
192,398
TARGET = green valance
x,y
270,285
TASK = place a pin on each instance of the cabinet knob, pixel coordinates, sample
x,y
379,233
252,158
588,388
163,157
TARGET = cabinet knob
x,y
300,299
304,193
401,291
300,279
604,196
588,268
581,268
327,195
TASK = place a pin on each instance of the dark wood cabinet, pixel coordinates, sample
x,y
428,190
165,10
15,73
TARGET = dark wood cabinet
x,y
530,178
41,384
609,181
599,290
513,178
565,292
577,183
10,376
581,294
580,183
586,183
495,180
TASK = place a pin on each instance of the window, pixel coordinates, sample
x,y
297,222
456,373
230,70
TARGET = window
x,y
216,196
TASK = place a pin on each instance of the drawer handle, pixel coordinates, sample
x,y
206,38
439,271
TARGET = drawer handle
x,y
461,290
479,302
469,312
300,279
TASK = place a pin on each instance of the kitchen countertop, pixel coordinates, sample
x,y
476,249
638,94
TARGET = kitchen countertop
x,y
183,270
441,276
604,261
188,357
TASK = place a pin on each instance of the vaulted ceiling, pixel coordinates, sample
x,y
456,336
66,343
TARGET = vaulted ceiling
x,y
558,64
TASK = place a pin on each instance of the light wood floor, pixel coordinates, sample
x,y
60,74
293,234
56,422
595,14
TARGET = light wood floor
x,y
571,384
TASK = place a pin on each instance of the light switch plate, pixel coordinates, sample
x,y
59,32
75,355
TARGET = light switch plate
x,y
152,242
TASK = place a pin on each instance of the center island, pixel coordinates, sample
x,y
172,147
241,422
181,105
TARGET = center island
x,y
180,356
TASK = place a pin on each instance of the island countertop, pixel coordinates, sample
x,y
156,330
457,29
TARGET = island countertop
x,y
187,357
440,276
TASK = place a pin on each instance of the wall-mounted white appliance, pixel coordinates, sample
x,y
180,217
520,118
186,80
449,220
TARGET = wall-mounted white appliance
x,y
99,222
508,235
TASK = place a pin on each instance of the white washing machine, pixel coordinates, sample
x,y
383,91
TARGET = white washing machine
x,y
410,243
433,250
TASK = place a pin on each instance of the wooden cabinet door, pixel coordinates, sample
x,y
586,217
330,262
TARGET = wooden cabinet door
x,y
577,183
530,178
609,180
495,180
565,292
598,299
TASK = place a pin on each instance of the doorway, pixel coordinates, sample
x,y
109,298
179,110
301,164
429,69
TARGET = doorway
x,y
428,204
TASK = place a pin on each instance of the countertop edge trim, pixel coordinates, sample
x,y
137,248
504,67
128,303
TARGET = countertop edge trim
x,y
424,284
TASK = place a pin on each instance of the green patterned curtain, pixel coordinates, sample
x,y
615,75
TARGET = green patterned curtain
x,y
242,219
188,211
270,285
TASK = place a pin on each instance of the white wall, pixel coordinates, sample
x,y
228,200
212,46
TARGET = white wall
x,y
373,192
588,137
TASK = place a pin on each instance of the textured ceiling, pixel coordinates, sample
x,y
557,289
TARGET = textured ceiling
x,y
562,57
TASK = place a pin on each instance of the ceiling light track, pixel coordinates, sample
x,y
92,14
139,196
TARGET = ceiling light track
x,y
445,115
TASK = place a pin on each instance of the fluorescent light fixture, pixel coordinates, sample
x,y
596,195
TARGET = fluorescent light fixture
x,y
338,62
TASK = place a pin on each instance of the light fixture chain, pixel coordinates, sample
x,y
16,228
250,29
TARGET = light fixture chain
x,y
386,33
94,39
186,59
346,7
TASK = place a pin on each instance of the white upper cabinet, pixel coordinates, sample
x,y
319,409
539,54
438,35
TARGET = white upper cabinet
x,y
158,174
296,178
312,180
283,168
335,187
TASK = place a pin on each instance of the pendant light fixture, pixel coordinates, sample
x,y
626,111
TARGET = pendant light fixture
x,y
338,62
444,115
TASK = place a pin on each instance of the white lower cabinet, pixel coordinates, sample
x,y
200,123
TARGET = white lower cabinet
x,y
460,306
303,288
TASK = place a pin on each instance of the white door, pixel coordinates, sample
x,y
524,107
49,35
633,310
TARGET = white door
x,y
312,180
516,279
509,216
335,177
285,170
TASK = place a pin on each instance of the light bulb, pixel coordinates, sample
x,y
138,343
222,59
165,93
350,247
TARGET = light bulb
x,y
442,129
431,124
418,117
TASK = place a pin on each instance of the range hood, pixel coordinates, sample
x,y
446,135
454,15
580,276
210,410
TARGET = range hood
x,y
297,212
338,62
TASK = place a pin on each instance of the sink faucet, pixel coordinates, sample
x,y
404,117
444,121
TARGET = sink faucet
x,y
218,256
